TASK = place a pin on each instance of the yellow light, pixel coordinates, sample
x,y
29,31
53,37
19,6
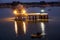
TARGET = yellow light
x,y
16,27
23,11
24,27
15,12
43,28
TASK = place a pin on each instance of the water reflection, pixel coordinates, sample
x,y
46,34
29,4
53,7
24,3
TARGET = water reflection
x,y
20,27
43,28
16,31
24,27
8,19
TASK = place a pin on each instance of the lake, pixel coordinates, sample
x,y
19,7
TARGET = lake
x,y
8,25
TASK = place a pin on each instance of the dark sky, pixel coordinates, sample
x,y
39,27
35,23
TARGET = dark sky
x,y
27,0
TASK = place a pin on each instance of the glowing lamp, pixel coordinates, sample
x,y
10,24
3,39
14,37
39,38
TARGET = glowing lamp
x,y
15,12
23,11
42,10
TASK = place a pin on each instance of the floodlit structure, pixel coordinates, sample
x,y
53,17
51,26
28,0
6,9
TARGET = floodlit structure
x,y
22,15
37,17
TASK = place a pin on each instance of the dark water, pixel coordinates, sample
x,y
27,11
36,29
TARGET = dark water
x,y
52,28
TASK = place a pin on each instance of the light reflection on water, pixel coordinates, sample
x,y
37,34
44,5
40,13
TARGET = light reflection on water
x,y
43,28
23,24
16,31
24,27
42,25
20,27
